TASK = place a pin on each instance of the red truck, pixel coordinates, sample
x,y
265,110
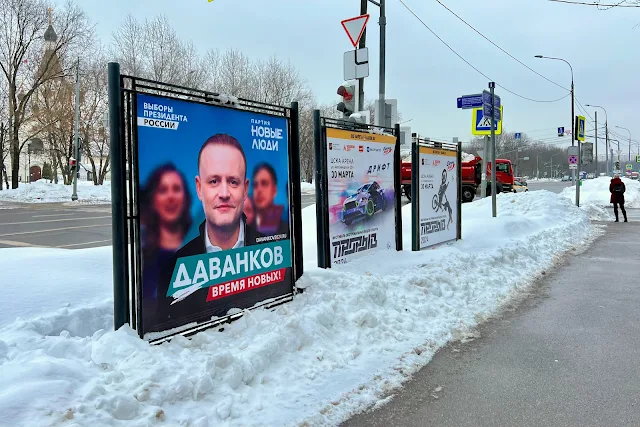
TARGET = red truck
x,y
471,177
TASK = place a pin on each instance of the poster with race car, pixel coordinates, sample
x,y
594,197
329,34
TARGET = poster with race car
x,y
361,197
438,196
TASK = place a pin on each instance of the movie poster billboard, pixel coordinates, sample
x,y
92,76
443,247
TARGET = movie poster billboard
x,y
214,210
438,196
360,193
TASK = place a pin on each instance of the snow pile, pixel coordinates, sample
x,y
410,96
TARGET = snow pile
x,y
44,192
466,157
356,333
307,188
595,196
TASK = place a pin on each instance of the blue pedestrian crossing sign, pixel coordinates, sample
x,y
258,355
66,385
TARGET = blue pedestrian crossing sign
x,y
481,125
517,135
561,131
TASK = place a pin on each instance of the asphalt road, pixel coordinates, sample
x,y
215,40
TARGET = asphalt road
x,y
62,225
55,225
566,357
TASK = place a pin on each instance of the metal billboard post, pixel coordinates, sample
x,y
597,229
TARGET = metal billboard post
x,y
415,195
118,198
494,208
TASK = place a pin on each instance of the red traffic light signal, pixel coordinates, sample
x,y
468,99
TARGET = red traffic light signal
x,y
344,92
72,162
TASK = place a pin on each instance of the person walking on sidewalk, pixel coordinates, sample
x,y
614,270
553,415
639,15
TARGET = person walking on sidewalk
x,y
617,189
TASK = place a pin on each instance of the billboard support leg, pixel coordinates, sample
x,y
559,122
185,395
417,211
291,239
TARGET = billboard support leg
x,y
397,184
415,194
322,232
459,180
118,198
296,199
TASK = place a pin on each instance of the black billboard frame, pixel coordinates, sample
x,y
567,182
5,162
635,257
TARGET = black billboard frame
x,y
320,125
415,187
125,191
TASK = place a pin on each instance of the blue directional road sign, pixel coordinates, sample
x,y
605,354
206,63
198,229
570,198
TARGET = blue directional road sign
x,y
470,101
486,99
486,110
561,131
517,135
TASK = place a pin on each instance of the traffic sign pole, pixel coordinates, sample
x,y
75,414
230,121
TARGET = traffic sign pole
x,y
577,171
494,207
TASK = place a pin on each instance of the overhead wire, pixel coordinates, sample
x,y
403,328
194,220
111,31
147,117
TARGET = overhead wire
x,y
493,43
470,64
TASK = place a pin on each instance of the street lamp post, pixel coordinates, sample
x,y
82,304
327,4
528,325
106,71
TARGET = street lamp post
x,y
606,135
620,127
572,124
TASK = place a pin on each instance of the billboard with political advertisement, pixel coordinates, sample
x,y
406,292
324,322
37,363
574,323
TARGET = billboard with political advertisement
x,y
361,195
214,210
438,195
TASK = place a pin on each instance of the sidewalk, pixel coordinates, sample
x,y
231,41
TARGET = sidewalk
x,y
569,356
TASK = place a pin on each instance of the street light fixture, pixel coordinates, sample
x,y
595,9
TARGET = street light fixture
x,y
573,138
620,127
606,135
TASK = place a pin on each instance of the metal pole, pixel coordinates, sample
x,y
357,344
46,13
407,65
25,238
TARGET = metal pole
x,y
578,171
397,185
606,137
596,118
322,232
118,198
483,181
494,207
537,166
415,195
573,131
381,104
362,45
74,195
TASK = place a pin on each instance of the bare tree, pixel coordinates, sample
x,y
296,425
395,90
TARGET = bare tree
x,y
152,49
28,59
93,109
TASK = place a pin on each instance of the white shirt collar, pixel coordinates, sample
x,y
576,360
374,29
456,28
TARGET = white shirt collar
x,y
211,248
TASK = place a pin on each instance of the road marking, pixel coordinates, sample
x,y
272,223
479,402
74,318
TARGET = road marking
x,y
81,244
42,216
55,220
54,229
21,244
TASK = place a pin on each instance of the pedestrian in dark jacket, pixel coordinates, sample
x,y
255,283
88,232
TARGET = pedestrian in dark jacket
x,y
617,189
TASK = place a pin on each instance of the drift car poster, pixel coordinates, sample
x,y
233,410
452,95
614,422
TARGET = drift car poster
x,y
360,193
214,210
438,196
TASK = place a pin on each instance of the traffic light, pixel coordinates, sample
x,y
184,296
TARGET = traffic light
x,y
348,104
73,163
616,165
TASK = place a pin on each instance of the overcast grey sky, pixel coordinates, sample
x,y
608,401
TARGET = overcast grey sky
x,y
422,73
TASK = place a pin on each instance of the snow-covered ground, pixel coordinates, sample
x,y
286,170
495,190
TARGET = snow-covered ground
x,y
305,187
594,195
355,334
44,192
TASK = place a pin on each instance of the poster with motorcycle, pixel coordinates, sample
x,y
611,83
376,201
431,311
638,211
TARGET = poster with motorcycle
x,y
438,196
361,198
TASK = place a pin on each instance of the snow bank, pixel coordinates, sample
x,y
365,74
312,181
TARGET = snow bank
x,y
356,333
595,196
466,157
44,192
308,188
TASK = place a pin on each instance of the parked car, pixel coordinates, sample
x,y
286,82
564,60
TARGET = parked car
x,y
566,178
520,185
366,201
591,176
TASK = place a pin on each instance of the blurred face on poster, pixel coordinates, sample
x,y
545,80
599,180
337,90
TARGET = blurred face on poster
x,y
264,188
169,198
222,187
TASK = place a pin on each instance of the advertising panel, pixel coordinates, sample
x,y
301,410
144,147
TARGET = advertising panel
x,y
438,196
360,193
214,210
